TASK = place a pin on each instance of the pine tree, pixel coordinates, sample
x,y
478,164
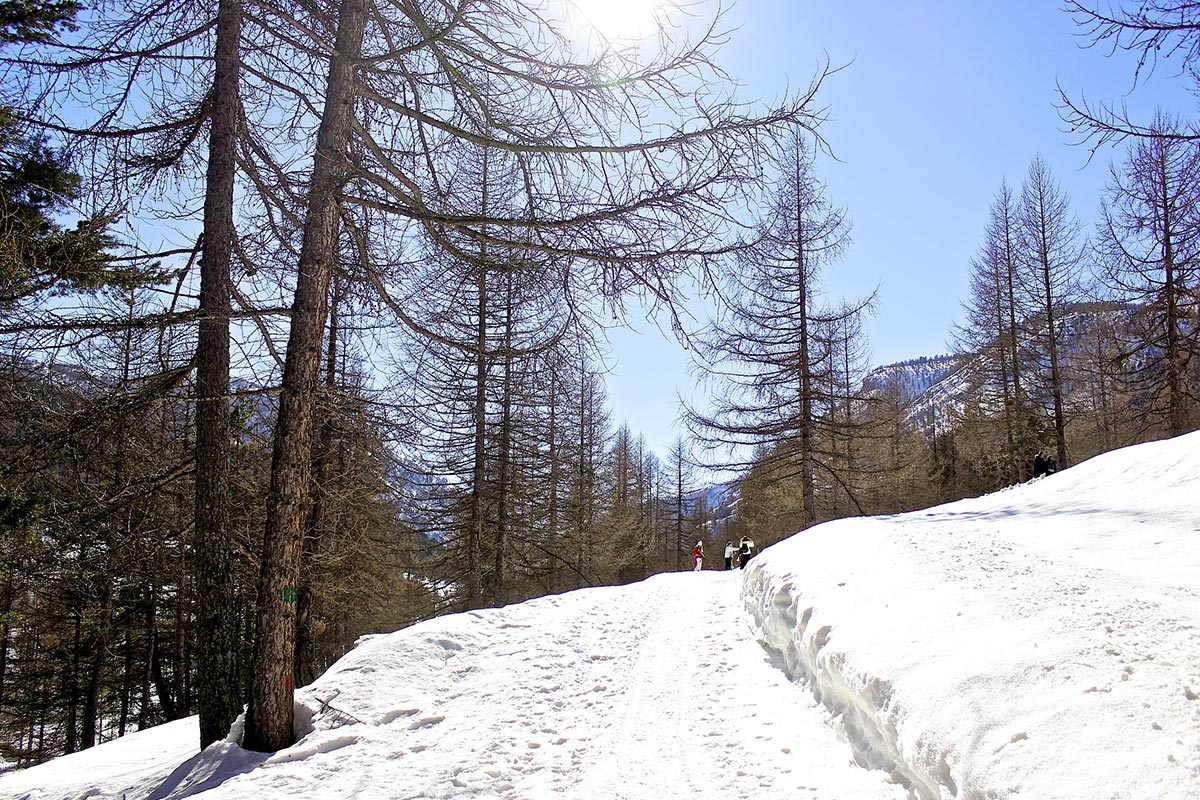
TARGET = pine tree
x,y
1051,256
771,345
995,312
1148,241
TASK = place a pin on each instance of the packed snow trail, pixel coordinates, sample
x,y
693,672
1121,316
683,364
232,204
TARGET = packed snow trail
x,y
630,693
645,692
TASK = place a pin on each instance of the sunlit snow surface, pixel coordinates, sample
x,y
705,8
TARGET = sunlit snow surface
x,y
1037,643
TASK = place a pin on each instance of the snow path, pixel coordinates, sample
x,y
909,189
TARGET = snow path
x,y
628,693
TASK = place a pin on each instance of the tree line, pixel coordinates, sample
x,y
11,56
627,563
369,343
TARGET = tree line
x,y
320,356
1070,344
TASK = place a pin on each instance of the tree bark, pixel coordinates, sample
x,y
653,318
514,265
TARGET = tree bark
x,y
269,721
1175,356
504,468
151,633
555,460
314,526
479,454
807,479
1056,392
72,689
1010,285
5,630
99,653
216,611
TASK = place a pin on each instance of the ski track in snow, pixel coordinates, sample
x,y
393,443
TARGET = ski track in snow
x,y
667,697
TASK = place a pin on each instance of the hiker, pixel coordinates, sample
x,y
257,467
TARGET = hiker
x,y
698,555
1039,465
730,552
745,551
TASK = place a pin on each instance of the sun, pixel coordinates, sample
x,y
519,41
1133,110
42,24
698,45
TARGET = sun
x,y
619,19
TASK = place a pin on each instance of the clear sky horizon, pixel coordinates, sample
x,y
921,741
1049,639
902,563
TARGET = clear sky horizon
x,y
939,101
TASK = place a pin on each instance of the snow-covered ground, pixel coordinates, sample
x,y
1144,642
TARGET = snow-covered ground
x,y
1037,643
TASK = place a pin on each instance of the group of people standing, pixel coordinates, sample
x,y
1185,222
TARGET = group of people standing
x,y
742,553
1044,465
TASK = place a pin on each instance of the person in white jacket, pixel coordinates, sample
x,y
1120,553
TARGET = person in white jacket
x,y
730,552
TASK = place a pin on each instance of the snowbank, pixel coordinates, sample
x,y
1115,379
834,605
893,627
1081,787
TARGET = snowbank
x,y
138,763
1038,642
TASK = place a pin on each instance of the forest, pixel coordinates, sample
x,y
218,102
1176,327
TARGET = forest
x,y
301,309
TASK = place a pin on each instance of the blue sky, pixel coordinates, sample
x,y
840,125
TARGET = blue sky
x,y
940,101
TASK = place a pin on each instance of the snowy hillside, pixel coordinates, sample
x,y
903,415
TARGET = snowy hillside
x,y
1037,642
934,390
718,502
1040,642
912,379
928,390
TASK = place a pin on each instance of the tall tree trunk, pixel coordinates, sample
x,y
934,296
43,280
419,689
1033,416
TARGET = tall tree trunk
x,y
269,722
101,640
1011,340
1005,382
5,631
171,701
1056,390
99,647
678,506
479,455
151,623
216,612
848,426
72,692
315,524
1175,356
178,690
555,469
583,491
1014,362
504,468
807,480
126,684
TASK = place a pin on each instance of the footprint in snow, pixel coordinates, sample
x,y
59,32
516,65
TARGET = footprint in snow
x,y
426,722
396,714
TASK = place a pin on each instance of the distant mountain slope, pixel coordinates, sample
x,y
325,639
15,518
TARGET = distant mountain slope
x,y
933,390
719,501
913,378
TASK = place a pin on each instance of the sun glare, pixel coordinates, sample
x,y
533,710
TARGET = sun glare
x,y
619,19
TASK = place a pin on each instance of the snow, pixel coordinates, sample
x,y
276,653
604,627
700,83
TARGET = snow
x,y
1039,643
136,763
915,377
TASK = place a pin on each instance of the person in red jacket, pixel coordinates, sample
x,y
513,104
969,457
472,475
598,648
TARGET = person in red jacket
x,y
698,555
